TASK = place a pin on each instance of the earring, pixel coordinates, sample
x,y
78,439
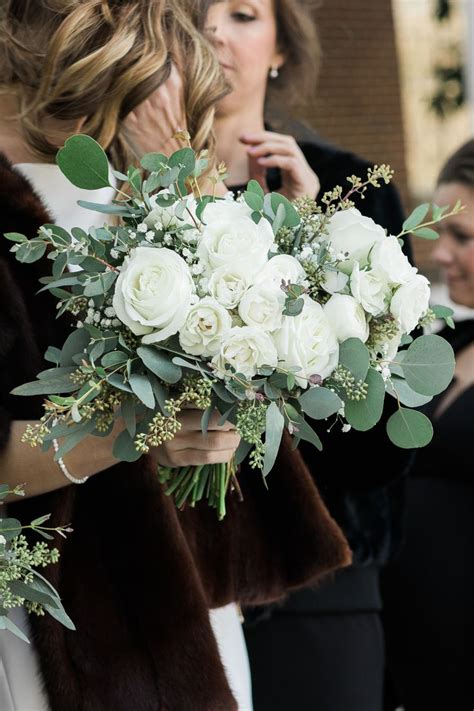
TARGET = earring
x,y
274,72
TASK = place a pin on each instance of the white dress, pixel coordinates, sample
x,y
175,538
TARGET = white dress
x,y
20,680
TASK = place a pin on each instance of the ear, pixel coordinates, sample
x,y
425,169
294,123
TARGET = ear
x,y
278,60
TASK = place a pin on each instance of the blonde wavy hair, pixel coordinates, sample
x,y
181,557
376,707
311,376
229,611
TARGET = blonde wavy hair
x,y
99,59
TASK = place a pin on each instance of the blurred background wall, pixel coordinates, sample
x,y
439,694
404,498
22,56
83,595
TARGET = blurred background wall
x,y
397,86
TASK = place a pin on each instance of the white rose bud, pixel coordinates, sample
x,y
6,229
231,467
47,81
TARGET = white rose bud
x,y
225,210
371,292
246,349
228,285
206,326
410,302
262,307
279,268
153,293
236,242
308,342
347,318
352,233
389,263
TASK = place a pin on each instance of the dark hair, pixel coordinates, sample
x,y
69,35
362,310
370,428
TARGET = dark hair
x,y
460,167
297,39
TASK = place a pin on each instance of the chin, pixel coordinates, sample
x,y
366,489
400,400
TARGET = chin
x,y
461,298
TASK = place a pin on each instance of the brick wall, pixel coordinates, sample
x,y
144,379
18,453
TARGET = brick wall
x,y
358,103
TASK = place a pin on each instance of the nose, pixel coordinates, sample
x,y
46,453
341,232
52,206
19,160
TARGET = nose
x,y
216,26
442,253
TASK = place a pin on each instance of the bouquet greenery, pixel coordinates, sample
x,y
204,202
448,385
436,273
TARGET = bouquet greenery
x,y
265,311
21,585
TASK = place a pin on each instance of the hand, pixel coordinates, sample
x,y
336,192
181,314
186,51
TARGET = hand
x,y
152,125
274,150
191,447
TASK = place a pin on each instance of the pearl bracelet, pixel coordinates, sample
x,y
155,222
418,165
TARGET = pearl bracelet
x,y
64,469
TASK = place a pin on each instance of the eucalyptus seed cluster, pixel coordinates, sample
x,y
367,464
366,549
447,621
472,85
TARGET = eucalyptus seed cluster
x,y
306,206
34,434
79,377
76,305
382,330
103,407
161,429
197,391
285,239
251,421
427,319
14,566
342,379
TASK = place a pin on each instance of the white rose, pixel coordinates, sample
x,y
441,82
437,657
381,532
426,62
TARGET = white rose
x,y
334,281
206,326
279,268
347,318
246,349
228,285
410,302
351,232
389,263
236,242
153,293
262,307
371,292
225,210
308,342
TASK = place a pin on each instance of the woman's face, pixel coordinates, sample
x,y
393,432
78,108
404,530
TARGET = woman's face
x,y
245,35
454,251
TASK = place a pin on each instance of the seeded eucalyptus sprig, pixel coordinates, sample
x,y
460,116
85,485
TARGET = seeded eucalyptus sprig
x,y
21,584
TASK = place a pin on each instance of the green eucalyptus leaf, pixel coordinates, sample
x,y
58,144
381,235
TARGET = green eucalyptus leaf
x,y
154,162
306,432
75,344
160,364
275,423
426,233
254,201
399,389
409,429
416,217
142,389
354,356
84,163
7,624
127,408
53,355
124,448
10,528
319,403
185,160
364,414
58,612
242,451
29,252
47,386
117,210
15,237
292,219
222,392
428,366
254,186
114,358
27,591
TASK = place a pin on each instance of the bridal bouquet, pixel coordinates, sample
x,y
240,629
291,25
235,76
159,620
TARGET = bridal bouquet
x,y
21,584
264,311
